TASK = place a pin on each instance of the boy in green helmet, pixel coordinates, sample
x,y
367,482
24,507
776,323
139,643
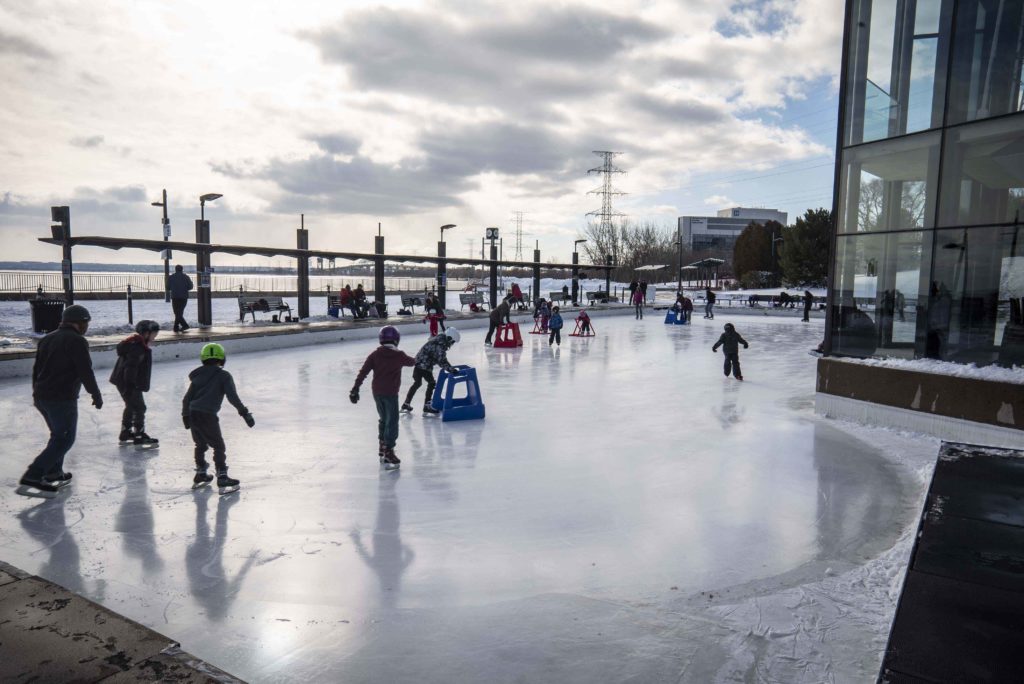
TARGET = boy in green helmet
x,y
199,409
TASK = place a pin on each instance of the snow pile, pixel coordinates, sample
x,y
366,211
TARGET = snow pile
x,y
991,373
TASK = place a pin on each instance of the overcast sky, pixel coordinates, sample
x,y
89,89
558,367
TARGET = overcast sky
x,y
411,114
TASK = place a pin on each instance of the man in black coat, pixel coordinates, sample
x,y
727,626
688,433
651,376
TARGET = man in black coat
x,y
61,368
808,303
180,285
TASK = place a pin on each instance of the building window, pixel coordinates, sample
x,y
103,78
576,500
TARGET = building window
x,y
988,60
897,64
890,185
983,173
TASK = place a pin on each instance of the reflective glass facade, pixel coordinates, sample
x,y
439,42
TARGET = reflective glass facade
x,y
929,246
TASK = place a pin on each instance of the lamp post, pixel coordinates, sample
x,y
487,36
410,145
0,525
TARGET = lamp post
x,y
775,265
203,199
166,223
576,271
491,233
679,266
204,296
442,268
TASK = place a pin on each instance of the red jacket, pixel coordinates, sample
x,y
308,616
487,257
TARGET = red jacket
x,y
387,364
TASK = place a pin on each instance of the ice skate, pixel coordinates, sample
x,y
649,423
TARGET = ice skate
x,y
144,440
201,479
226,485
36,489
126,437
391,460
429,411
61,479
406,408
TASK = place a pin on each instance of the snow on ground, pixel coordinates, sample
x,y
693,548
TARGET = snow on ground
x,y
624,513
960,370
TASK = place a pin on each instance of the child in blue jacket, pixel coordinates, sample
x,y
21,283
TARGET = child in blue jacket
x,y
555,326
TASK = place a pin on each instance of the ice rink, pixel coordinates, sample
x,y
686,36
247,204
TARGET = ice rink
x,y
623,514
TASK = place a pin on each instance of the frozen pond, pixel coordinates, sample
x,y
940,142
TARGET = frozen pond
x,y
624,513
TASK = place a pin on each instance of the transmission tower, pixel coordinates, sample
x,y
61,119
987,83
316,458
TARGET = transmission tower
x,y
517,222
607,190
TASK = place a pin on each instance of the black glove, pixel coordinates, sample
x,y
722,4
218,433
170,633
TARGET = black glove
x,y
97,400
186,422
354,396
746,346
714,350
249,420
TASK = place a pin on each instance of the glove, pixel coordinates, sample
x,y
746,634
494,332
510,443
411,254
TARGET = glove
x,y
249,420
97,400
186,422
714,350
354,396
746,346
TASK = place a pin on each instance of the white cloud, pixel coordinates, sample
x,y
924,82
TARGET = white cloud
x,y
719,201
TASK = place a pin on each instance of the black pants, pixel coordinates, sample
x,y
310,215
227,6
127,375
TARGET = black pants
x,y
732,362
206,434
418,376
556,336
807,312
178,306
61,418
490,331
134,416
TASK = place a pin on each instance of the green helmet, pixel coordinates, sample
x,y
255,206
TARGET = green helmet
x,y
76,313
212,351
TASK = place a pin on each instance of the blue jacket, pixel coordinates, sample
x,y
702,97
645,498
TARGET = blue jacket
x,y
555,322
179,284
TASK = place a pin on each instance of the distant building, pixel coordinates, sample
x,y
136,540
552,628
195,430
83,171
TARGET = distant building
x,y
720,232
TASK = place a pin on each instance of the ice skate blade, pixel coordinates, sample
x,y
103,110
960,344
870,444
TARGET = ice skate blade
x,y
62,484
34,493
391,466
199,485
223,491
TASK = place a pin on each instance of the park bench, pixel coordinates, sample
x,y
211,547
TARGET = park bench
x,y
466,298
250,304
557,297
599,296
411,302
334,305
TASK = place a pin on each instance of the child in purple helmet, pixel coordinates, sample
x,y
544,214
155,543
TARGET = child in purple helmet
x,y
386,362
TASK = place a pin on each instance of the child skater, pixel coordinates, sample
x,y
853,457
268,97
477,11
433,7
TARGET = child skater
x,y
433,353
584,320
386,362
544,313
730,341
131,376
199,409
555,326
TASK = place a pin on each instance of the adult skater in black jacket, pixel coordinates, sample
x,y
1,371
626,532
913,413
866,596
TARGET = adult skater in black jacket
x,y
730,341
62,367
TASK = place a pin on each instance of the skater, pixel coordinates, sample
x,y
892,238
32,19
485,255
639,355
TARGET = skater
x,y
808,303
517,297
501,314
584,320
544,314
555,326
730,341
633,285
433,353
199,409
61,368
179,284
131,376
638,304
709,304
386,362
687,308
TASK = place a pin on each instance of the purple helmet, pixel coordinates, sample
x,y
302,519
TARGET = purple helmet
x,y
389,335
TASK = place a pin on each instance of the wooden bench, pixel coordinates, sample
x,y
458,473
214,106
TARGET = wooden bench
x,y
558,296
334,304
599,296
250,304
412,301
471,298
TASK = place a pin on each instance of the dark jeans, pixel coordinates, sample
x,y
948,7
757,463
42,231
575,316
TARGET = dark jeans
x,y
178,306
709,310
418,376
387,425
490,331
556,336
134,415
206,434
807,312
732,361
61,418
639,311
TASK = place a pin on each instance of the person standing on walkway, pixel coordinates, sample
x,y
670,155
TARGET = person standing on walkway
x,y
61,368
709,304
808,303
638,303
180,285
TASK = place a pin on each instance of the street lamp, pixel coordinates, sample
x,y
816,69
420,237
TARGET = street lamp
x,y
576,271
775,264
679,265
203,199
447,226
166,223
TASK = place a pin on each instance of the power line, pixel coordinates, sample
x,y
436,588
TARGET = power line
x,y
606,213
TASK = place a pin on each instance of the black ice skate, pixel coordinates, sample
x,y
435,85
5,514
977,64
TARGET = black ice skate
x,y
429,410
144,440
406,408
225,484
201,479
36,489
61,479
391,460
126,437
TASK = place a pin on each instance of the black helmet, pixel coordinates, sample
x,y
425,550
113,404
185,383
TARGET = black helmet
x,y
75,313
144,326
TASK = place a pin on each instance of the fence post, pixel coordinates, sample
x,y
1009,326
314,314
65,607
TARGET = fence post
x,y
131,317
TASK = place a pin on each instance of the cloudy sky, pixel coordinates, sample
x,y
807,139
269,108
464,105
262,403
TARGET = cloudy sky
x,y
411,114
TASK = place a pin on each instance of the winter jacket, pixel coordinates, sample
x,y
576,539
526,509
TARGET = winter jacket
x,y
555,323
687,304
500,314
210,384
638,297
434,353
387,363
710,297
134,365
544,310
730,341
62,366
179,284
346,298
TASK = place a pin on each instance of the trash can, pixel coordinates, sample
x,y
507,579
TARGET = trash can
x,y
46,314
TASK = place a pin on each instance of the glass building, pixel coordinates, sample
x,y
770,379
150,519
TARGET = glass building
x,y
928,254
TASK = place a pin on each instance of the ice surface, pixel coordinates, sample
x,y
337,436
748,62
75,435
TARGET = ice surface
x,y
624,513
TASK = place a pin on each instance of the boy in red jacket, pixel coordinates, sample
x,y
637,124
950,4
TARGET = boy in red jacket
x,y
386,362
